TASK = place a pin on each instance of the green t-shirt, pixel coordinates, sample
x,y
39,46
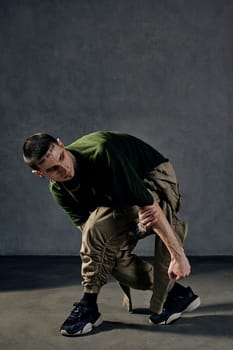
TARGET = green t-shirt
x,y
111,169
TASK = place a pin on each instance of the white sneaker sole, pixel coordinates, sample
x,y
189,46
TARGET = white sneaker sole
x,y
170,319
87,329
193,306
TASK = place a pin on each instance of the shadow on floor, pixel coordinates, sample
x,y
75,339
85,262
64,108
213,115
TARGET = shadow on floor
x,y
203,308
24,273
207,325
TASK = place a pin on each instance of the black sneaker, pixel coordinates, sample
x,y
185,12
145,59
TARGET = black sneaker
x,y
82,320
175,306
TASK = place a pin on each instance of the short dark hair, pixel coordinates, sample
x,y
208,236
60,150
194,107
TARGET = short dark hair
x,y
35,147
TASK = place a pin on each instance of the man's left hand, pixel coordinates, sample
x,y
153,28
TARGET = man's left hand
x,y
179,268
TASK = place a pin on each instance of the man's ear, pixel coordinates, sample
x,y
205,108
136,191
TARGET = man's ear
x,y
60,143
37,173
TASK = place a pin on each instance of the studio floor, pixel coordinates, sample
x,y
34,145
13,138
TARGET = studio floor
x,y
37,294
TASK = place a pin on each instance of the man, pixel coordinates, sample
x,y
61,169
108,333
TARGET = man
x,y
117,189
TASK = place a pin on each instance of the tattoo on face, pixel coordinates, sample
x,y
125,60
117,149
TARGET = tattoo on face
x,y
50,151
47,154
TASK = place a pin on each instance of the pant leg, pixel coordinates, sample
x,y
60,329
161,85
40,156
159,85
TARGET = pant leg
x,y
132,271
103,235
162,259
163,184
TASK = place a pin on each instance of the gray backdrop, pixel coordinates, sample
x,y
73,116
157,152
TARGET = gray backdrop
x,y
160,70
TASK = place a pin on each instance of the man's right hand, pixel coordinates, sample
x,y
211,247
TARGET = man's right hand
x,y
149,215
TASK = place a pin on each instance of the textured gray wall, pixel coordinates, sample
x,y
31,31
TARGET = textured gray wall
x,y
161,70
